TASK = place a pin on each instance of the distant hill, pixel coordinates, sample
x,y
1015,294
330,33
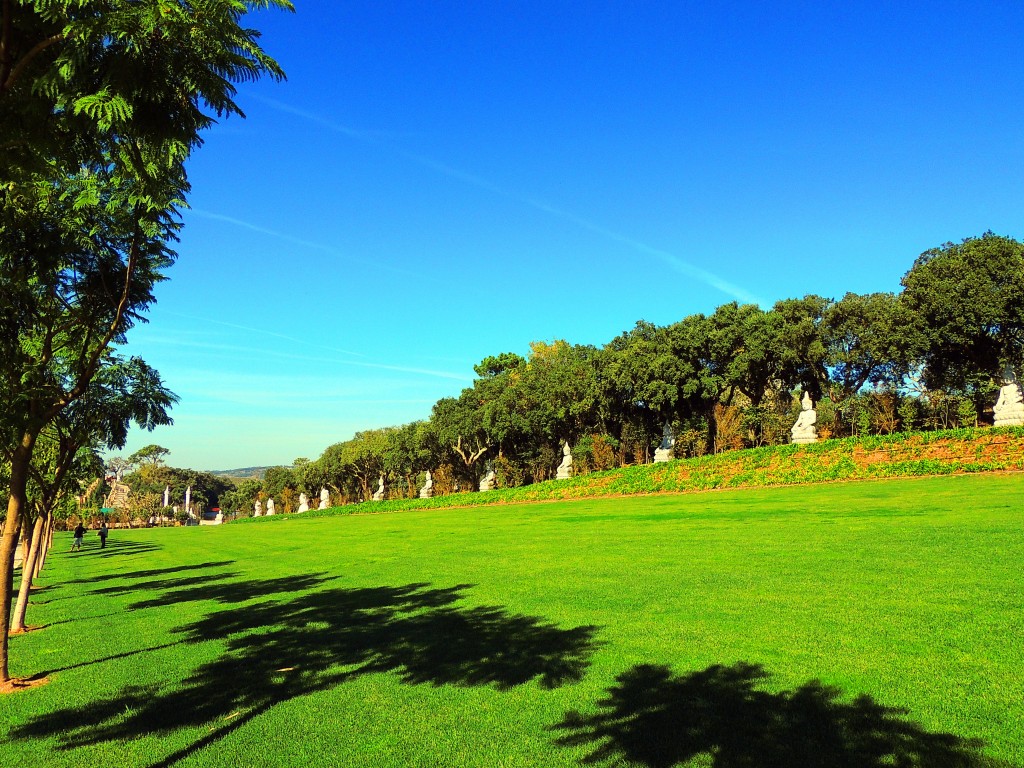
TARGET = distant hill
x,y
245,473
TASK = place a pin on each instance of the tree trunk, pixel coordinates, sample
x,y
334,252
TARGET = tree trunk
x,y
44,544
712,443
26,540
20,461
28,566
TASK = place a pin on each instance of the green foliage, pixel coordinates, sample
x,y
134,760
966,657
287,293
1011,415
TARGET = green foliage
x,y
239,501
151,454
150,480
870,339
725,381
967,413
276,479
969,297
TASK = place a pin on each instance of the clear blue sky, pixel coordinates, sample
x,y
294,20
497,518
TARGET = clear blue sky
x,y
438,182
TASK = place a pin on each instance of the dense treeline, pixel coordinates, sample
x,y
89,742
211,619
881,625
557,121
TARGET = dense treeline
x,y
931,356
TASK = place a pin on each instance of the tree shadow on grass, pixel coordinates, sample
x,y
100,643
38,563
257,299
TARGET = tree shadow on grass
x,y
116,548
280,650
150,573
181,583
145,581
215,588
722,715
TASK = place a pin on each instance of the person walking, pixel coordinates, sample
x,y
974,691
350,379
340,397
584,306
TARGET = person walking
x,y
103,534
79,535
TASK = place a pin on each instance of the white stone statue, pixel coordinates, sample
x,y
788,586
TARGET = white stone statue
x,y
303,503
565,468
804,431
270,506
325,498
427,491
378,495
1009,408
666,452
257,509
489,480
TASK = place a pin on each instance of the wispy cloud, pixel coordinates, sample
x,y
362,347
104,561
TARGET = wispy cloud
x,y
255,353
328,249
673,261
264,332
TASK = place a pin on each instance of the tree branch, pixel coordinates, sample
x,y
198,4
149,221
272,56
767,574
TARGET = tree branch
x,y
89,369
5,43
8,82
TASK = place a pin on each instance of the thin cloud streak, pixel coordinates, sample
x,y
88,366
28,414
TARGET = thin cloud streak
x,y
265,332
328,249
356,363
675,262
678,264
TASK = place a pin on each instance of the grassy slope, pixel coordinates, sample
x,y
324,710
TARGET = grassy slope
x,y
946,452
464,637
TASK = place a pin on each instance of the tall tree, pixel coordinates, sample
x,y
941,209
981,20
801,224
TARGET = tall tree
x,y
802,344
124,391
101,103
154,455
459,425
870,339
969,297
638,381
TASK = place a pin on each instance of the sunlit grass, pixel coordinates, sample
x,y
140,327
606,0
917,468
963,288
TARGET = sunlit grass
x,y
537,635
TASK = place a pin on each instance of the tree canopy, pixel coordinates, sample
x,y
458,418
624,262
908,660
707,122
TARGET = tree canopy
x,y
101,104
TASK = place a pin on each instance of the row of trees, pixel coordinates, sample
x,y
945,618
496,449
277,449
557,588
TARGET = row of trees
x,y
930,356
101,104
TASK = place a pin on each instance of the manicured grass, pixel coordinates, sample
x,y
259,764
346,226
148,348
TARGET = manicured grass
x,y
658,630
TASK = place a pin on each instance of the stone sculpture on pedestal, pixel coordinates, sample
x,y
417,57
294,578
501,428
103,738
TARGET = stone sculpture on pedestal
x,y
804,431
487,483
378,495
270,507
427,491
565,468
303,503
325,498
1009,408
257,509
666,451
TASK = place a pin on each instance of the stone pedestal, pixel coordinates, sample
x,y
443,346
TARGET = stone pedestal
x,y
804,431
565,468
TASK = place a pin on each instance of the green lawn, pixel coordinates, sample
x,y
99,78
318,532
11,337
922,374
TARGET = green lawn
x,y
832,625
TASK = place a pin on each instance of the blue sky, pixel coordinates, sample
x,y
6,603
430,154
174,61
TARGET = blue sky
x,y
438,182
